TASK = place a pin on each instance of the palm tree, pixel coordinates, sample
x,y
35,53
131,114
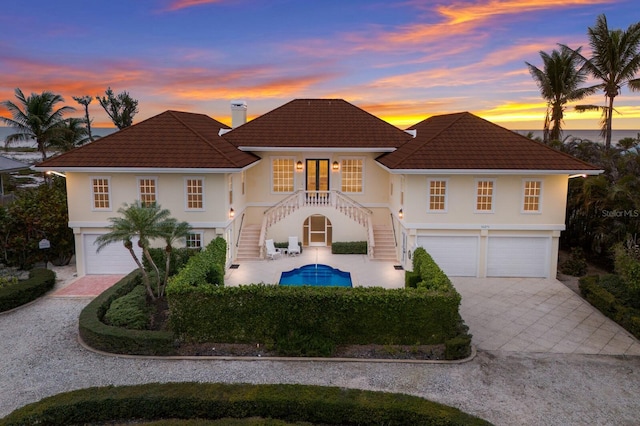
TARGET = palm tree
x,y
37,119
171,231
85,101
559,83
73,133
615,61
141,221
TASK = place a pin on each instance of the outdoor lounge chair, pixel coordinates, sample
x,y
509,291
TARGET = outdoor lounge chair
x,y
272,251
294,248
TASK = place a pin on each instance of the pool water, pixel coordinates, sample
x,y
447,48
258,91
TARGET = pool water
x,y
316,275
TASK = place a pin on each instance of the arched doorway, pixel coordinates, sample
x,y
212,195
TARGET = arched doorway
x,y
317,231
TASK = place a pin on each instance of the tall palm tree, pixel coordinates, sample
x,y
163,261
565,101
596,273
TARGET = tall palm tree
x,y
615,61
38,119
141,221
559,82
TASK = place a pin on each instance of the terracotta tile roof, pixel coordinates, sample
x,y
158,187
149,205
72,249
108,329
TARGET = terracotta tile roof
x,y
465,141
322,123
171,139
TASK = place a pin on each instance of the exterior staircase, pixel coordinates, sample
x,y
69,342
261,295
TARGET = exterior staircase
x,y
248,244
385,245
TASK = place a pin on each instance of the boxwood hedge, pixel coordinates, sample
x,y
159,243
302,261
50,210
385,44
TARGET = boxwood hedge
x,y
95,333
39,282
292,403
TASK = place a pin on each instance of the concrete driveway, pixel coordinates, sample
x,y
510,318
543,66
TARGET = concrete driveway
x,y
537,315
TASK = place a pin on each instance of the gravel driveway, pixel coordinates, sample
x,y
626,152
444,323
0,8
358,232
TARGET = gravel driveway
x,y
41,357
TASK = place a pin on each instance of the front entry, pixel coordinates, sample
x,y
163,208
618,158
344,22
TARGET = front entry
x,y
317,175
317,231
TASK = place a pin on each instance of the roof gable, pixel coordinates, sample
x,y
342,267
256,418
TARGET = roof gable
x,y
465,141
171,139
318,123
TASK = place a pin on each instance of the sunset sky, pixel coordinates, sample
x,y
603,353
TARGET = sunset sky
x,y
400,60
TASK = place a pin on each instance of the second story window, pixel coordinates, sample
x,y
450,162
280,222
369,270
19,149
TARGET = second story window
x,y
282,174
532,190
352,172
101,193
147,191
484,196
194,193
437,195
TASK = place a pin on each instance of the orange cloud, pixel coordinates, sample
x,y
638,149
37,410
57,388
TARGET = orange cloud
x,y
183,4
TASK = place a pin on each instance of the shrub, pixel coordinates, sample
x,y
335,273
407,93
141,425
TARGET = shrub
x,y
15,294
95,333
576,264
130,310
349,247
206,267
285,245
627,265
260,313
293,403
179,258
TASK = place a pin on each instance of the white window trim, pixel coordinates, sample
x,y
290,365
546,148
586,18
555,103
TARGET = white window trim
x,y
293,159
154,178
93,205
201,233
186,200
475,196
364,165
524,181
446,195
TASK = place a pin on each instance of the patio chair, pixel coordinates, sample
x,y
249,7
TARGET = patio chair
x,y
294,248
272,251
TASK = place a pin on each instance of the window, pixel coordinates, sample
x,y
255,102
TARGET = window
x,y
194,240
282,170
532,190
484,196
352,175
194,193
437,195
147,191
230,189
101,193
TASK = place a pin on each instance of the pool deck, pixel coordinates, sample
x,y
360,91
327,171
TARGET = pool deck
x,y
364,272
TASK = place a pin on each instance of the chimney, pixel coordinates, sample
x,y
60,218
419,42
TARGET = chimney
x,y
238,113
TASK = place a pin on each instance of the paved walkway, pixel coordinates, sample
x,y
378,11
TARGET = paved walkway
x,y
537,315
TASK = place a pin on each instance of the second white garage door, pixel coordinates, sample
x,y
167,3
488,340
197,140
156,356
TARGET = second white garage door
x,y
457,256
518,257
112,259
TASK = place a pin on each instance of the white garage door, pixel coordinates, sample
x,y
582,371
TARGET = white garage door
x,y
456,256
112,259
518,257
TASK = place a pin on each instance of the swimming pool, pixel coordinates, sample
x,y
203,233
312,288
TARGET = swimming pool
x,y
316,275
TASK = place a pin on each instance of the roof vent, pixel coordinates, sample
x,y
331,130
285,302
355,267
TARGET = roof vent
x,y
238,113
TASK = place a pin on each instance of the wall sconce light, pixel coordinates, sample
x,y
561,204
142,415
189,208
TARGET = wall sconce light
x,y
232,213
580,175
335,166
401,214
299,166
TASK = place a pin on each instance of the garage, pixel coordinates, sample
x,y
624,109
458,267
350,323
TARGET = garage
x,y
457,256
518,257
112,259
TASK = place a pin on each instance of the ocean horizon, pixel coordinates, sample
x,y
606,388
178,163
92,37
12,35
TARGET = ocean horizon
x,y
592,135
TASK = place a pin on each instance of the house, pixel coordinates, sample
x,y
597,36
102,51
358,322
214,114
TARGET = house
x,y
483,200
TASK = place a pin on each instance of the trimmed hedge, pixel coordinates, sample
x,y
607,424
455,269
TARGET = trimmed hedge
x,y
268,313
285,245
206,267
98,335
292,403
129,311
39,282
594,292
349,247
179,258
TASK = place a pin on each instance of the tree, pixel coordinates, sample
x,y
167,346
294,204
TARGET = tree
x,y
121,108
615,61
38,119
85,101
144,223
171,231
559,82
73,133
